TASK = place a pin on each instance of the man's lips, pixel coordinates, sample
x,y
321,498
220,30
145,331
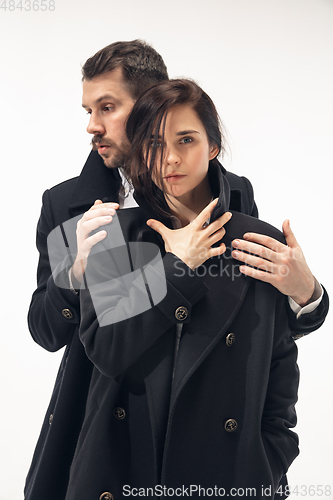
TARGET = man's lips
x,y
102,147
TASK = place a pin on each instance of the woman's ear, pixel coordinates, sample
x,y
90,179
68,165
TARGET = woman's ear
x,y
214,151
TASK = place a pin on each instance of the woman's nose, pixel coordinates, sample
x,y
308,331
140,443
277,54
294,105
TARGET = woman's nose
x,y
172,158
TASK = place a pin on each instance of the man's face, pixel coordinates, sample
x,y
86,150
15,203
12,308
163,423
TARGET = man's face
x,y
109,103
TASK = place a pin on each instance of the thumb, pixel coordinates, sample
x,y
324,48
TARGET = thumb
x,y
157,226
289,235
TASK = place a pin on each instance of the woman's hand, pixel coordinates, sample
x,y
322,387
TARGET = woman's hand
x,y
193,243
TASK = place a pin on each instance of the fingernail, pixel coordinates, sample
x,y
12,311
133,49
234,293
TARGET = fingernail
x,y
111,211
235,243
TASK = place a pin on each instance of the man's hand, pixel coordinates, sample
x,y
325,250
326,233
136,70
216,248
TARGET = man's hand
x,y
98,215
283,266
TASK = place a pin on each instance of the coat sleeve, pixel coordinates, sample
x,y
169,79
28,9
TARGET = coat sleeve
x,y
279,415
54,312
113,330
306,323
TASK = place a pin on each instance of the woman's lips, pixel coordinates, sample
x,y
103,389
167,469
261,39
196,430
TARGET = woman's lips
x,y
174,178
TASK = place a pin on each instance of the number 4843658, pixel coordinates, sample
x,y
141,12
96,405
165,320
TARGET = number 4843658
x,y
27,5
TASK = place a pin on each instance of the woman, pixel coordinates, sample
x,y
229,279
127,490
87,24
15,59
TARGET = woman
x,y
195,376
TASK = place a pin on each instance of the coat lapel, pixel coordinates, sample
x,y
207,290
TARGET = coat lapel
x,y
211,318
96,181
214,314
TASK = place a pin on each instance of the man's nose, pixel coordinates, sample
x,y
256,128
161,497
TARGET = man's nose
x,y
95,126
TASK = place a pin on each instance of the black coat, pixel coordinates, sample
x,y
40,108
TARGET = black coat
x,y
54,318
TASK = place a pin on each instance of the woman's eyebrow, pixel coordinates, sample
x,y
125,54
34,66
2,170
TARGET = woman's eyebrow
x,y
185,132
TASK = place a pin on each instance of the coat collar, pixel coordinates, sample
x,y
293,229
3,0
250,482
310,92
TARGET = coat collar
x,y
96,181
220,189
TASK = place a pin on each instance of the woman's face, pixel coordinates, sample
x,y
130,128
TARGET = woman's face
x,y
186,152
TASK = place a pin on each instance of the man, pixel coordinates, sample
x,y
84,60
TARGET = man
x,y
112,81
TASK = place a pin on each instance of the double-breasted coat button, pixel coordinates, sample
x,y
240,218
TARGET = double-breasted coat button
x,y
230,339
181,313
67,313
119,413
230,425
106,496
50,419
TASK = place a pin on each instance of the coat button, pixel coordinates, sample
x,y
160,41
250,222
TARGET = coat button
x,y
106,496
230,425
119,413
50,419
67,313
230,339
181,313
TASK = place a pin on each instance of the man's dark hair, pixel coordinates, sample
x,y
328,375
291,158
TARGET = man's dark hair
x,y
145,131
142,66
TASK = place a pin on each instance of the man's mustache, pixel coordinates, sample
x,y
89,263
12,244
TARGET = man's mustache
x,y
98,139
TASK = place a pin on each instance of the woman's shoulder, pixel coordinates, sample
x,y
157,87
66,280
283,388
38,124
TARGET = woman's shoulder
x,y
240,224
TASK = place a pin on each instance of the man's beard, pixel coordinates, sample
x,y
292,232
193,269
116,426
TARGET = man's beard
x,y
116,160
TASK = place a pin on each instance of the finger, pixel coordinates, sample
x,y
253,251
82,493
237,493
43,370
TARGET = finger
x,y
289,235
254,261
217,236
157,226
102,211
265,241
256,274
93,224
99,204
95,238
254,249
205,214
218,223
214,252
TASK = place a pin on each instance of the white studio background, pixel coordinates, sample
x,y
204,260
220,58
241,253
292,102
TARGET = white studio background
x,y
267,64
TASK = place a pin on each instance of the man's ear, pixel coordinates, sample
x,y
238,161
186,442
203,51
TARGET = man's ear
x,y
214,151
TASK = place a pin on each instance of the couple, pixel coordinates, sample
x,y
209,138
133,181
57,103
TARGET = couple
x,y
199,389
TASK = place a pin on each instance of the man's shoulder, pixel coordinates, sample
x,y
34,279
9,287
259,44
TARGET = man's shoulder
x,y
63,188
57,200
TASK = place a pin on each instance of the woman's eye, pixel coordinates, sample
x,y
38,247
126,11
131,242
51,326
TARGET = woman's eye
x,y
186,140
108,108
